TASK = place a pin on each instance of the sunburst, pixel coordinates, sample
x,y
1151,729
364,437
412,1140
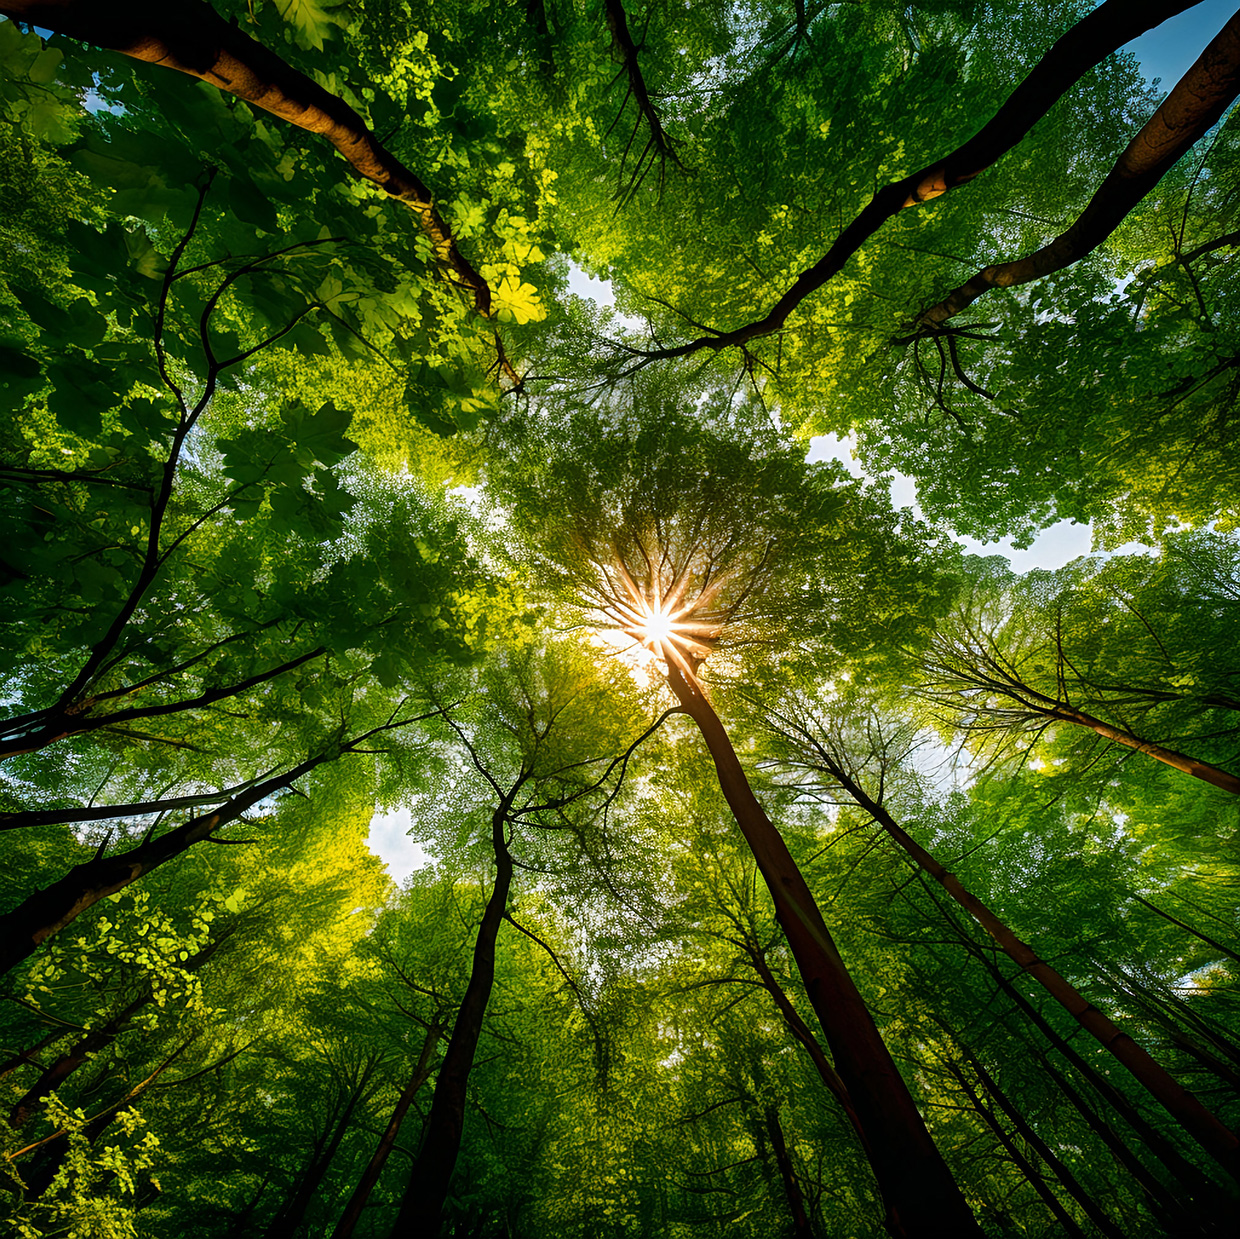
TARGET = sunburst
x,y
665,618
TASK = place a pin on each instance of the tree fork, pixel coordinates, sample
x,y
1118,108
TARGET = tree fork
x,y
923,1198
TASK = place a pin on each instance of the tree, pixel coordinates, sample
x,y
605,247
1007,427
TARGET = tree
x,y
663,556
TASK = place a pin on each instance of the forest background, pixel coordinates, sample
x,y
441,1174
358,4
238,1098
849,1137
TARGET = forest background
x,y
326,496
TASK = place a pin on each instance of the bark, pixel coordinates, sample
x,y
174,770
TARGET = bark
x,y
22,1057
1031,1172
1188,112
190,37
625,51
53,1076
31,923
800,1030
1182,1105
289,1216
1101,32
374,1168
787,1174
422,1204
103,813
920,1194
1171,1212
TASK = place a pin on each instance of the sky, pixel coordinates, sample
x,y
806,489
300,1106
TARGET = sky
x,y
1165,52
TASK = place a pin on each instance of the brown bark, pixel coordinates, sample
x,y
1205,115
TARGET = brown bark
x,y
1210,1199
54,1148
1088,43
374,1168
26,1056
1031,1172
190,37
800,1030
921,1196
1183,1106
1188,112
626,52
968,664
422,1204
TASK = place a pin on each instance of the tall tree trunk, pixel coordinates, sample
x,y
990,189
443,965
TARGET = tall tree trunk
x,y
1031,1172
53,1149
922,1197
1209,1198
801,1031
374,1168
1185,1108
421,1207
1188,112
1171,1212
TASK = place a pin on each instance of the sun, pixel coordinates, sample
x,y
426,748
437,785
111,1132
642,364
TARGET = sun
x,y
656,627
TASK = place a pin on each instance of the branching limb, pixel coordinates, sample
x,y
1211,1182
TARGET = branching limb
x,y
192,38
1188,112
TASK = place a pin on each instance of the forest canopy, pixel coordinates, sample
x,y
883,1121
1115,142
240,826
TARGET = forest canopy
x,y
785,869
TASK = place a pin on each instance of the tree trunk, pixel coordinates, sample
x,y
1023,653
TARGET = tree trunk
x,y
191,37
422,1204
1031,1172
1210,1199
1188,112
800,1030
374,1168
787,1174
922,1197
1185,1108
290,1215
54,1148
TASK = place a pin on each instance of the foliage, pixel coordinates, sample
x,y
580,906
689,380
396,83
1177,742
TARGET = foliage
x,y
298,528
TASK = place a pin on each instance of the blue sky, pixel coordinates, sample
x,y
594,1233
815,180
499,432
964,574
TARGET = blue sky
x,y
1168,50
